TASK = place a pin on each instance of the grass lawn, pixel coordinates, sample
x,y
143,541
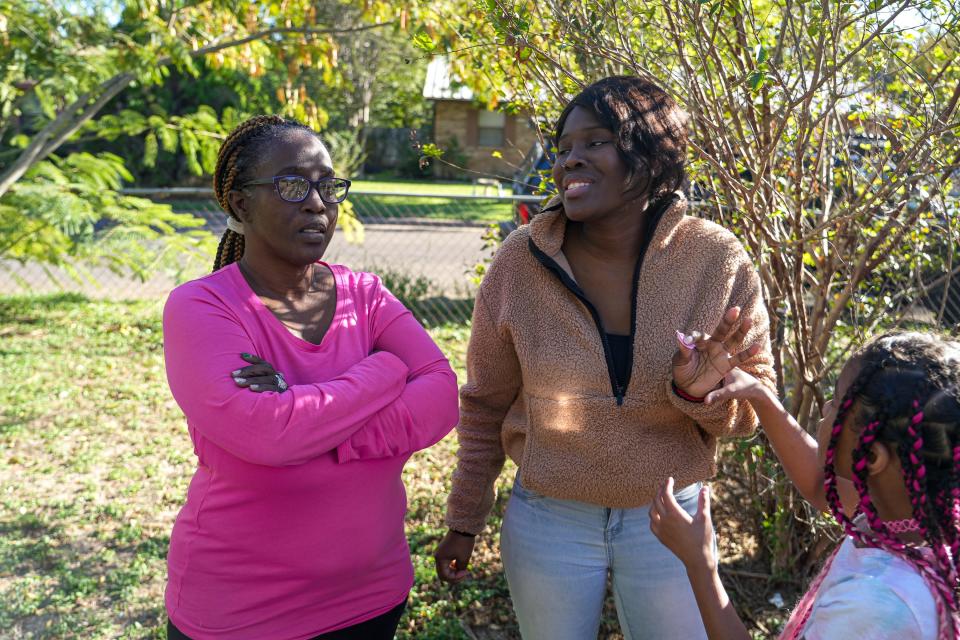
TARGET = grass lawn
x,y
423,187
94,465
417,206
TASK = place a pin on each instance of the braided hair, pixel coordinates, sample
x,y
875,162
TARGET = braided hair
x,y
906,396
239,155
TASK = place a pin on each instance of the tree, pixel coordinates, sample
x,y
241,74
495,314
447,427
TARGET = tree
x,y
823,133
64,63
381,79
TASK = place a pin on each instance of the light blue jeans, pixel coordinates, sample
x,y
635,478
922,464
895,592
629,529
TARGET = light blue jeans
x,y
557,555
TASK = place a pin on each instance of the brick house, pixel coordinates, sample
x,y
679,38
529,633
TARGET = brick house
x,y
463,127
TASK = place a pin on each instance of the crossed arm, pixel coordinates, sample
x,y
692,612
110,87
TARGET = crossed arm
x,y
400,397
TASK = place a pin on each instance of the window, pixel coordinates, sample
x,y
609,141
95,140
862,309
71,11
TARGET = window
x,y
491,126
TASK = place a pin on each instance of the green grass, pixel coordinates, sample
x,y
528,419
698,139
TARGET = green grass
x,y
397,208
485,211
424,187
94,466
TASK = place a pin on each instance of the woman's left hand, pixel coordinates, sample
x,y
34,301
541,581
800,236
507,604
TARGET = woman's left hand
x,y
702,360
690,538
259,376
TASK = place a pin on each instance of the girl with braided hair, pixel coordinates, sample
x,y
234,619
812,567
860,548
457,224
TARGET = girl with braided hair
x,y
306,387
887,466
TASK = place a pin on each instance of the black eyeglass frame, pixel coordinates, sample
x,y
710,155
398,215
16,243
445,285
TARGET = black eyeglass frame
x,y
314,184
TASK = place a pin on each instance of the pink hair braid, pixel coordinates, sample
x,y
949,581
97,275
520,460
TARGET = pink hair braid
x,y
954,506
881,535
940,573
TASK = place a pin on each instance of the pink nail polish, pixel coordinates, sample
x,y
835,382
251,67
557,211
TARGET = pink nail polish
x,y
684,341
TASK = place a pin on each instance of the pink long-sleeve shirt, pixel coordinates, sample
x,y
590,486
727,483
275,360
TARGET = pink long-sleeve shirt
x,y
294,520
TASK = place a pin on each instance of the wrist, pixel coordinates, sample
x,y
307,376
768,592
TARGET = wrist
x,y
701,568
680,392
764,400
463,534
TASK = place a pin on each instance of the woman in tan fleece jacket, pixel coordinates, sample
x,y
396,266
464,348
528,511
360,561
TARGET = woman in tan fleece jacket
x,y
588,361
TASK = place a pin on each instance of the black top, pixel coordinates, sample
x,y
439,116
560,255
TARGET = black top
x,y
619,358
620,348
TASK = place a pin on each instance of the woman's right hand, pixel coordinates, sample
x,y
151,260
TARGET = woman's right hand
x,y
453,555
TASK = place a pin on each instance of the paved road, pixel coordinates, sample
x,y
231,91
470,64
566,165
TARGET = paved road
x,y
442,253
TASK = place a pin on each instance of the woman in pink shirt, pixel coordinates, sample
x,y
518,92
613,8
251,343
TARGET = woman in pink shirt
x,y
306,387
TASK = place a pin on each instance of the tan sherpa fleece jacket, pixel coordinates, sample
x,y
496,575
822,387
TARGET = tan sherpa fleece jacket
x,y
538,385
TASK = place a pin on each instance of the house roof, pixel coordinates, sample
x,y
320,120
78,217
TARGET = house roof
x,y
439,85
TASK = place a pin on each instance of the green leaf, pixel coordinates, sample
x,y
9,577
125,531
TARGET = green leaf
x,y
756,80
168,138
46,101
208,158
191,148
431,150
761,54
150,149
424,42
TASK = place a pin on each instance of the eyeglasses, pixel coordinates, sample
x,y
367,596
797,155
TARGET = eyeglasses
x,y
297,188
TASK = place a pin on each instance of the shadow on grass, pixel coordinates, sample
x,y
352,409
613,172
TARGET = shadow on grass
x,y
28,545
59,582
25,309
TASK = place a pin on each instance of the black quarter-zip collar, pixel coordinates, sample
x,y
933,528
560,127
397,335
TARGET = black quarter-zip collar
x,y
653,223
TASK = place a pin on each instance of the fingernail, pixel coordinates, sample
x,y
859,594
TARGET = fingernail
x,y
687,341
239,380
245,355
235,373
254,386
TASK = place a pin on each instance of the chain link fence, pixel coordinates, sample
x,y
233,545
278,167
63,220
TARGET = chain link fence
x,y
425,247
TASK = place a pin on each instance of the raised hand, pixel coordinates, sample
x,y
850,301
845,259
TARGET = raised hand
x,y
703,360
259,376
690,538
